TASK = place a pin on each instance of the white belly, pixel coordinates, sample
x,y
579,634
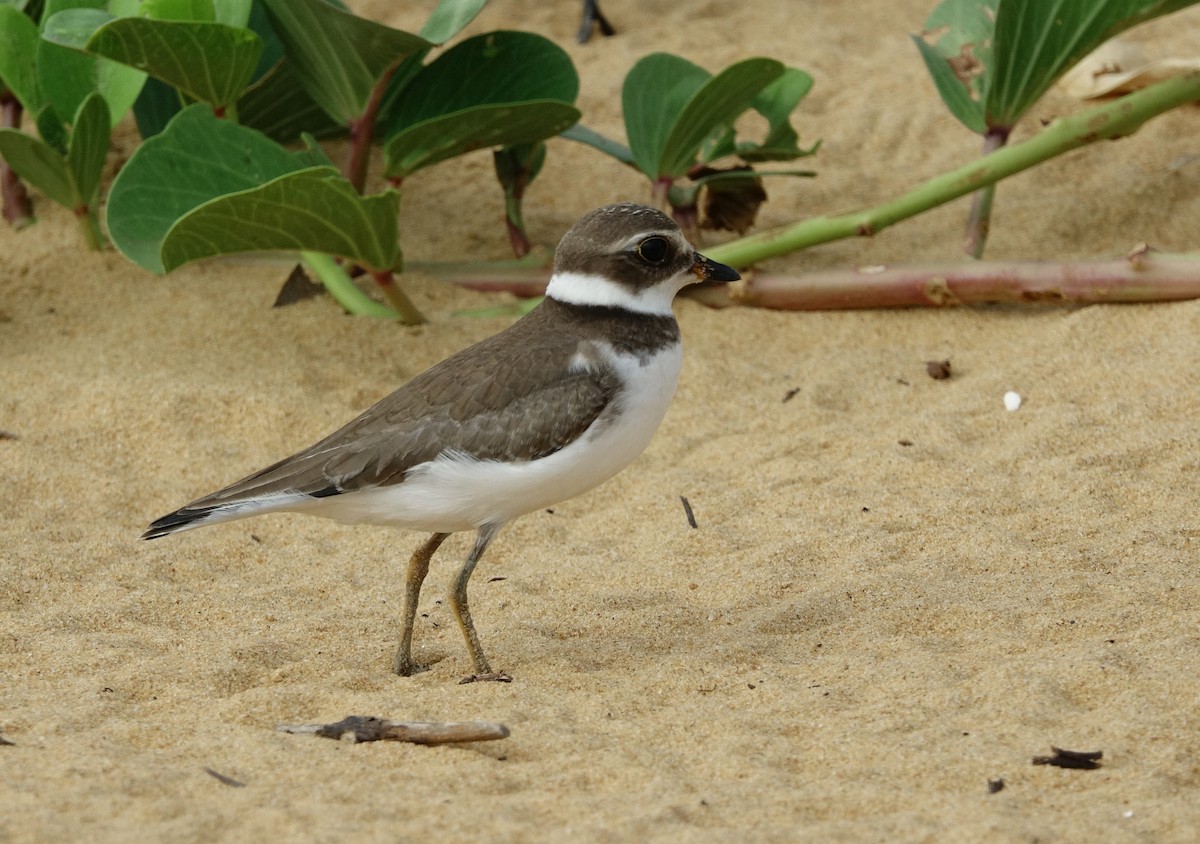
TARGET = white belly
x,y
455,492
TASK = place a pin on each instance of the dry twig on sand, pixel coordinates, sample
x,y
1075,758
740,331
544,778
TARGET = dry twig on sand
x,y
357,728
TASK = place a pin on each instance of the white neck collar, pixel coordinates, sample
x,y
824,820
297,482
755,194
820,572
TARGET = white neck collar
x,y
588,289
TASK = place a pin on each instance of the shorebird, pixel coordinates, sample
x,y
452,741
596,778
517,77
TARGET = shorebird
x,y
547,409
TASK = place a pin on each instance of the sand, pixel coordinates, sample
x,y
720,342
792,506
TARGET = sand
x,y
898,590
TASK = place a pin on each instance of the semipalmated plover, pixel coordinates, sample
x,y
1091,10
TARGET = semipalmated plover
x,y
557,403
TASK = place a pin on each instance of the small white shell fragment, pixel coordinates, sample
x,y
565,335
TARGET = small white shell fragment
x,y
1012,400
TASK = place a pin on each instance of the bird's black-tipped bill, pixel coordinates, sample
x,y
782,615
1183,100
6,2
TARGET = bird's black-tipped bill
x,y
707,269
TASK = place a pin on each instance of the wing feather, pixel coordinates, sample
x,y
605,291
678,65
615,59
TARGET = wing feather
x,y
486,401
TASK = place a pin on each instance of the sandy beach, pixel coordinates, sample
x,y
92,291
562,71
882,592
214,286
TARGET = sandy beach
x,y
897,590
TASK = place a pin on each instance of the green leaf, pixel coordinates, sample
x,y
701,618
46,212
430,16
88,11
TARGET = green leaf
x,y
957,49
313,153
197,158
260,24
449,18
484,126
518,165
338,57
229,12
210,62
991,60
492,69
721,142
1037,41
67,76
274,103
954,93
281,109
18,59
73,27
314,209
654,94
675,110
52,129
88,147
776,102
156,105
497,89
232,12
41,165
718,103
179,10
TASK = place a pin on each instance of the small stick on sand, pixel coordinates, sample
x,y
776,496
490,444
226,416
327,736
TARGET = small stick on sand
x,y
356,728
1087,760
223,779
687,511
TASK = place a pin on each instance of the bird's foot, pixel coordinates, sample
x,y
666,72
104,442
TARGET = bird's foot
x,y
407,668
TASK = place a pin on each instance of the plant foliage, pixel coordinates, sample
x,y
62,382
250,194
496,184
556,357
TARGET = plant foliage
x,y
991,60
679,120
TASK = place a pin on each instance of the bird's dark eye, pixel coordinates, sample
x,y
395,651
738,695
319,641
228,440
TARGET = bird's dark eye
x,y
654,250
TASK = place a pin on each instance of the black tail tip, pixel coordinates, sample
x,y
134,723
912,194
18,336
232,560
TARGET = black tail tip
x,y
174,522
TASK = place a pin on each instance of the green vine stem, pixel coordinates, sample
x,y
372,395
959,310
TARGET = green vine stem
x,y
90,227
1111,120
522,277
1144,276
342,288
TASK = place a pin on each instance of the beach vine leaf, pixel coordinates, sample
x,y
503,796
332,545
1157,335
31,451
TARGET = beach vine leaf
x,y
338,57
497,89
70,178
66,77
991,60
195,160
679,119
449,18
206,60
314,209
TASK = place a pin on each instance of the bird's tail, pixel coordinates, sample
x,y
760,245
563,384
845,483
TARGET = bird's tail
x,y
185,519
198,513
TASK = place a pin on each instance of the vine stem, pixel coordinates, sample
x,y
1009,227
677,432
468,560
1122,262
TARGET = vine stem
x,y
362,131
405,309
90,226
1143,276
1111,120
522,277
979,221
342,288
18,209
